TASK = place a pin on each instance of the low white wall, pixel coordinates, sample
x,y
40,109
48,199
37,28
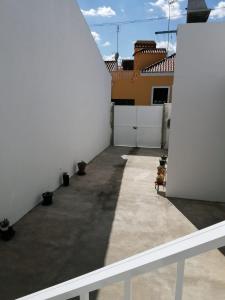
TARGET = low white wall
x,y
54,99
197,140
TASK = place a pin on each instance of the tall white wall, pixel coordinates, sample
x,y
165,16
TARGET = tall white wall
x,y
54,99
197,140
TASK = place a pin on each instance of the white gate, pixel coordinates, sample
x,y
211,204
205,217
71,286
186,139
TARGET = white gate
x,y
138,126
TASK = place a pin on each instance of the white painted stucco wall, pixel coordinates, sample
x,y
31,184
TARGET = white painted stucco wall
x,y
54,99
197,141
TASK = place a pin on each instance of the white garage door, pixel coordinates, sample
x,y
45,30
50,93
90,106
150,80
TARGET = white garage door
x,y
138,126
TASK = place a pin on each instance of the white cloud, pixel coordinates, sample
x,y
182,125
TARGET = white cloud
x,y
102,11
219,11
164,44
106,44
109,57
126,57
175,8
96,36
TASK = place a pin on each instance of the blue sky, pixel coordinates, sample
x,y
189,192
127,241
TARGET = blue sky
x,y
104,11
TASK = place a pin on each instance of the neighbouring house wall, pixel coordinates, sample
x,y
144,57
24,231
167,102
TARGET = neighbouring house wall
x,y
197,140
131,85
55,96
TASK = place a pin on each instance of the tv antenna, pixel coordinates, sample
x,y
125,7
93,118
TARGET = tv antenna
x,y
168,31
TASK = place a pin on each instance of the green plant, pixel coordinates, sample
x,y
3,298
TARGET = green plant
x,y
5,223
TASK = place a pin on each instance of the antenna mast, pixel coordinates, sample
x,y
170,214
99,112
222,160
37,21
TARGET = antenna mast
x,y
168,31
117,44
170,2
117,38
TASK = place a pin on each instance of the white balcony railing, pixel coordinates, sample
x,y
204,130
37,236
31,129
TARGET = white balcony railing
x,y
174,252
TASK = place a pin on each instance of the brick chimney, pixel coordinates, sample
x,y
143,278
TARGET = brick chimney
x,y
197,11
144,45
146,53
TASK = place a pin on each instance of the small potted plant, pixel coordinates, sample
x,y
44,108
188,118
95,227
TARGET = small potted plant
x,y
66,179
164,157
47,198
81,168
7,231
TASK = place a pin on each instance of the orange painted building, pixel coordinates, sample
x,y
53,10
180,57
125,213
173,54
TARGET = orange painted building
x,y
145,80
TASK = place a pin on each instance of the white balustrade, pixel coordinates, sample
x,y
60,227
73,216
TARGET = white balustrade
x,y
180,280
176,251
127,289
84,296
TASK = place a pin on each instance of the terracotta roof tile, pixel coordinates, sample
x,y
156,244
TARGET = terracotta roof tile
x,y
149,50
165,65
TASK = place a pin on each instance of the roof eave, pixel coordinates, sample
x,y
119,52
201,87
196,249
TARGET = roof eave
x,y
159,74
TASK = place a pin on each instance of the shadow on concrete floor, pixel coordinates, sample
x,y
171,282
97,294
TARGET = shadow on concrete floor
x,y
68,239
200,213
147,152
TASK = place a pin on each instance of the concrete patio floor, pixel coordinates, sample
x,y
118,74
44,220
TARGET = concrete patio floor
x,y
111,213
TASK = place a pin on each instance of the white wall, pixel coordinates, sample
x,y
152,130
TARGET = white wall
x,y
197,141
54,99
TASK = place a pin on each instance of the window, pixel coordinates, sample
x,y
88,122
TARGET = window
x,y
160,95
123,101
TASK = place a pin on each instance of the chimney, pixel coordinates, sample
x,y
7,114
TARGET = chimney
x,y
197,11
144,45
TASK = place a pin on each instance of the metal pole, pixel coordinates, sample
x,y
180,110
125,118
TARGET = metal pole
x,y
117,45
168,42
117,38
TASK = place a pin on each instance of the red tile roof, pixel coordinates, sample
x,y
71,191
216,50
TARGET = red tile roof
x,y
149,50
165,65
111,65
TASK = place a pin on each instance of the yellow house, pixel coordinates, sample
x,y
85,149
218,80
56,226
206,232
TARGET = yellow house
x,y
145,80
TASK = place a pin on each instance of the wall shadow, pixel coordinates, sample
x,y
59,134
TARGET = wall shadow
x,y
147,152
200,213
68,239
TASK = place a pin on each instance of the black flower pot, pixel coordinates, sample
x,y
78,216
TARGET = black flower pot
x,y
47,198
6,231
7,234
66,179
162,163
81,168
